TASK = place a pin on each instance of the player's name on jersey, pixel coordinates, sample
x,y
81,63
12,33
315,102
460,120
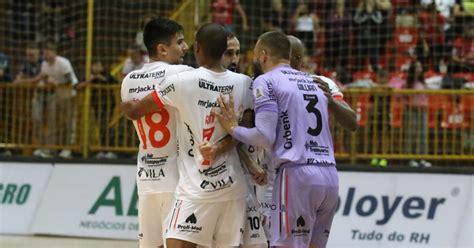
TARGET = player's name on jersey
x,y
208,85
156,74
307,87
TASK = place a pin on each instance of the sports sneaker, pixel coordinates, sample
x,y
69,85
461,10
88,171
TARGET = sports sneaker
x,y
374,162
6,153
66,154
383,162
110,155
413,163
425,163
42,153
99,155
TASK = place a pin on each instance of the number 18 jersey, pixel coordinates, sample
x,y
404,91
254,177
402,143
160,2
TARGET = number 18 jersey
x,y
157,169
303,135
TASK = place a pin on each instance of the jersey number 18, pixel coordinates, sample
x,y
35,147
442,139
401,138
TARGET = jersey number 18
x,y
155,127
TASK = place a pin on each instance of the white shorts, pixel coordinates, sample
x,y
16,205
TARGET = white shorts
x,y
205,224
152,212
254,233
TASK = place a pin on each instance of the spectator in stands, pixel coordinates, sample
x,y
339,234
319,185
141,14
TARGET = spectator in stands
x,y
31,66
415,116
103,104
223,13
444,7
139,36
136,59
462,59
337,46
4,69
272,15
368,19
432,27
381,127
4,78
30,73
57,73
307,27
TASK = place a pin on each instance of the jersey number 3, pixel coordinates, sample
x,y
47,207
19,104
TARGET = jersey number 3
x,y
311,108
155,127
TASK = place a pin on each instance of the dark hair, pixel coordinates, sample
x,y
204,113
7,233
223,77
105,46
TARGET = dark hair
x,y
411,77
213,39
277,43
159,31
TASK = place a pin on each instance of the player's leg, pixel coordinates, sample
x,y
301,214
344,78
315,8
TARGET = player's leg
x,y
230,225
293,221
254,233
325,213
166,207
177,243
191,222
150,221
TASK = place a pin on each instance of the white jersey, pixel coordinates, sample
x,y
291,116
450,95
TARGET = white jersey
x,y
194,94
157,169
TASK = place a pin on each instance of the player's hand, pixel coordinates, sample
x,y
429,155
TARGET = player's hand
x,y
228,117
208,151
260,178
324,87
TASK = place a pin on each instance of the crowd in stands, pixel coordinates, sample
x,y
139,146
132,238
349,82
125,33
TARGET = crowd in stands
x,y
413,44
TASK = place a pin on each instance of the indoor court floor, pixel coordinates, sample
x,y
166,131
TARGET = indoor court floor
x,y
13,241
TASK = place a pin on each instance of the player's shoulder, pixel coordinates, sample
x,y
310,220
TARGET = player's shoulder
x,y
173,69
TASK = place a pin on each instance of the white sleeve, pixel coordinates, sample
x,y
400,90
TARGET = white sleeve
x,y
69,70
168,92
247,99
335,91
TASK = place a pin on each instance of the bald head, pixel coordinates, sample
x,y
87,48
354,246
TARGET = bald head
x,y
276,43
297,52
212,38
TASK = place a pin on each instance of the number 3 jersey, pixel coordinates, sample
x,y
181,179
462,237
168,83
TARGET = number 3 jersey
x,y
303,135
194,94
157,169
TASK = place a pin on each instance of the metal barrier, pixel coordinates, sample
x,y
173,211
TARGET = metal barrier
x,y
393,124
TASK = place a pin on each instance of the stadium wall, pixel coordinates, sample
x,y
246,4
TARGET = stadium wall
x,y
388,209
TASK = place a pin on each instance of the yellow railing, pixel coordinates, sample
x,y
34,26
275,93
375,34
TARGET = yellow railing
x,y
393,124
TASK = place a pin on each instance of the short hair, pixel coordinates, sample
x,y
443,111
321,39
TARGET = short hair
x,y
213,39
159,31
277,43
50,46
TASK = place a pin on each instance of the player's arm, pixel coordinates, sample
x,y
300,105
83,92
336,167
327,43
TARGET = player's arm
x,y
243,15
136,109
259,175
211,151
165,94
262,135
343,113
